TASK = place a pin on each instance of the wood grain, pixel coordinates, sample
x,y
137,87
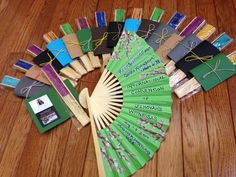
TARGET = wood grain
x,y
201,137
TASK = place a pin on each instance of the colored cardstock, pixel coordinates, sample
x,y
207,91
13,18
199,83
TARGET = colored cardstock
x,y
47,57
85,39
99,37
146,28
114,32
203,52
58,49
132,25
213,72
184,47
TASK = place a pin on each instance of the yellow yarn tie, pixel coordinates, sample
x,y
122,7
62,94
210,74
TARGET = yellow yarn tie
x,y
196,57
100,41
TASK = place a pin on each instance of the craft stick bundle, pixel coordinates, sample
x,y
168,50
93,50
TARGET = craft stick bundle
x,y
192,59
84,36
57,47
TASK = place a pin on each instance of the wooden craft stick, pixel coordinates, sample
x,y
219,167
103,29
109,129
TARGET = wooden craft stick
x,y
105,58
101,170
78,67
137,13
70,73
65,94
82,23
74,83
88,65
50,36
94,60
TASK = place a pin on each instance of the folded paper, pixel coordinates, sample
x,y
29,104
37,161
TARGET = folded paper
x,y
146,28
204,52
114,31
36,74
167,46
184,47
213,72
58,49
72,45
99,37
28,87
132,25
160,35
46,57
85,39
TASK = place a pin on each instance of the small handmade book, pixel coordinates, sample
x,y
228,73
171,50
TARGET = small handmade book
x,y
146,28
167,46
72,45
47,110
114,32
160,35
46,57
99,37
28,87
213,72
184,47
85,39
202,53
58,49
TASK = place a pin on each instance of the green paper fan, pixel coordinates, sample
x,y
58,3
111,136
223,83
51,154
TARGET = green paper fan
x,y
130,108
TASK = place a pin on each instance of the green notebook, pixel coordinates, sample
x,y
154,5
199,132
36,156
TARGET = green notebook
x,y
48,110
213,72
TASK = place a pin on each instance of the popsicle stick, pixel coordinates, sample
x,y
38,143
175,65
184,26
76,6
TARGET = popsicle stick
x,y
105,58
176,77
157,14
137,13
87,64
82,23
206,32
78,67
94,60
119,15
74,83
50,36
70,73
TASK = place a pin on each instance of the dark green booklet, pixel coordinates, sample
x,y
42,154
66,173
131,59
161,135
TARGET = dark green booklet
x,y
48,110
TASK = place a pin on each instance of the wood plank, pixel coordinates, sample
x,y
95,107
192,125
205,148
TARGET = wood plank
x,y
219,117
194,129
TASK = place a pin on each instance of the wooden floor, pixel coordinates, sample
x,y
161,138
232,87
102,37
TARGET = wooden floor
x,y
201,138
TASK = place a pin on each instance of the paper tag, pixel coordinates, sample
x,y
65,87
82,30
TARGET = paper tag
x,y
100,18
193,26
82,23
119,15
157,14
222,41
9,81
23,65
34,50
176,20
66,29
